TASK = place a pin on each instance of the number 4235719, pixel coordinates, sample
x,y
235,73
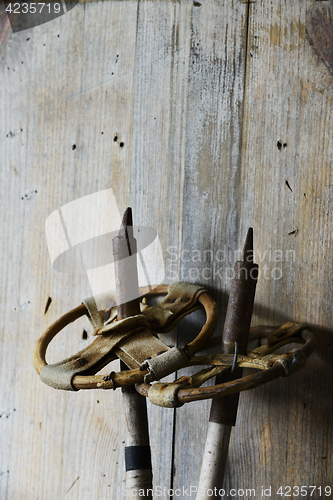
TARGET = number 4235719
x,y
33,8
302,491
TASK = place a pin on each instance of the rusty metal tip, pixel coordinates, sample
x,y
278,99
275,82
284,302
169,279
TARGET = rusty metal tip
x,y
248,246
127,218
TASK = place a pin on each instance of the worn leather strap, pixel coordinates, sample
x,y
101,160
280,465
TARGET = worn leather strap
x,y
271,366
132,340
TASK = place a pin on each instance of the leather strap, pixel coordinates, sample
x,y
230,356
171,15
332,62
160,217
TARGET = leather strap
x,y
133,339
187,389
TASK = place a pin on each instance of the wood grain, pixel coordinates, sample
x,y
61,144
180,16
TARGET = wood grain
x,y
216,104
64,84
211,186
288,138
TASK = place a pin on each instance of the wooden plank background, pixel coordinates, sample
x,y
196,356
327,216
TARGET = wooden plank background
x,y
225,112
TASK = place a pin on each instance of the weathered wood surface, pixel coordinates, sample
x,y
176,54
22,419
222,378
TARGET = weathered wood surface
x,y
218,104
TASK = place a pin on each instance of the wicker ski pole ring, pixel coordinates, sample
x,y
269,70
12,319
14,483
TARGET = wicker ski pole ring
x,y
270,366
133,340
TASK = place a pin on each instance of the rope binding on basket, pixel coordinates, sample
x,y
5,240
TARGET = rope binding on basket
x,y
135,340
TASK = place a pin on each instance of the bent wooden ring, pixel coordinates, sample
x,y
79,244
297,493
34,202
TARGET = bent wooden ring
x,y
128,377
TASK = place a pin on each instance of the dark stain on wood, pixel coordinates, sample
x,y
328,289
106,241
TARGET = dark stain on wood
x,y
319,31
72,484
288,186
280,145
48,303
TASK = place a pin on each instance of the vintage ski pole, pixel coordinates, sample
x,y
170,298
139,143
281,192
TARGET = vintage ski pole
x,y
234,340
137,448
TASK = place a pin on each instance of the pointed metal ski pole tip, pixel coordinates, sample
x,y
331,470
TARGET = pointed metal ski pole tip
x,y
248,246
126,231
127,218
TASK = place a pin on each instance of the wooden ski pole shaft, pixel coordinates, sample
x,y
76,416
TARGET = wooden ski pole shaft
x,y
137,448
234,340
